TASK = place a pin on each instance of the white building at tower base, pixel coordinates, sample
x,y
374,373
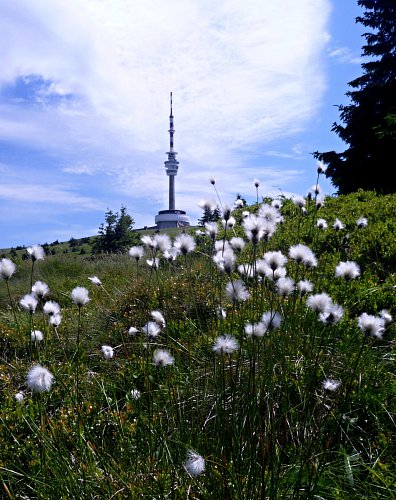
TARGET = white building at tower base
x,y
172,218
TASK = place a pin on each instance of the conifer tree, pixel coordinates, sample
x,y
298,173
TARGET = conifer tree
x,y
209,216
369,124
115,234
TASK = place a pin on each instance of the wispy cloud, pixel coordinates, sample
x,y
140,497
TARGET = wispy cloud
x,y
295,154
38,195
79,169
344,55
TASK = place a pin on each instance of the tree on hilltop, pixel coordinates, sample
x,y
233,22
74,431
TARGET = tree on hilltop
x,y
209,215
369,122
115,233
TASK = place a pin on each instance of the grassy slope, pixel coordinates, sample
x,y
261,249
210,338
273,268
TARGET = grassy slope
x,y
276,428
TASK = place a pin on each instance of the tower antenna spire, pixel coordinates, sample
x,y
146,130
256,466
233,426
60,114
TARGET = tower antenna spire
x,y
171,129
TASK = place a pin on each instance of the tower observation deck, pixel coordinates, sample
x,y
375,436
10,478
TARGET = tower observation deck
x,y
171,217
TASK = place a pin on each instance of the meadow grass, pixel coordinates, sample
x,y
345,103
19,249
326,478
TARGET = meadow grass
x,y
238,389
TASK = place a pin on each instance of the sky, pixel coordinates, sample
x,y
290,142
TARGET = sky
x,y
84,105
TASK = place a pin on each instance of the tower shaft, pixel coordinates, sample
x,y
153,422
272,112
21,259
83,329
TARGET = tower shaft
x,y
172,203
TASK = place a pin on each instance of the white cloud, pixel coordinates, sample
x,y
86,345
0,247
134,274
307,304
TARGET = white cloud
x,y
242,74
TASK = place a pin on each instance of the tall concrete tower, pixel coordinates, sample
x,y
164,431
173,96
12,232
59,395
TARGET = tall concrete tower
x,y
171,217
171,164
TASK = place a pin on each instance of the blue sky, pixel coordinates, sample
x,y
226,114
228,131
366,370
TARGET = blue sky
x,y
84,105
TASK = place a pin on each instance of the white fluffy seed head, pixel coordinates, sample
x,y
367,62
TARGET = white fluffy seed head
x,y
170,255
95,280
299,201
331,385
277,204
362,222
275,259
284,286
271,320
225,261
80,296
225,344
39,379
320,201
304,287
162,358
236,291
194,464
7,268
207,204
319,302
19,396
51,308
107,351
158,318
133,331
36,252
254,228
151,329
303,255
371,326
37,336
135,394
211,229
29,303
348,270
40,289
148,241
332,315
386,316
237,244
269,213
338,225
255,329
316,189
185,243
163,242
136,252
55,319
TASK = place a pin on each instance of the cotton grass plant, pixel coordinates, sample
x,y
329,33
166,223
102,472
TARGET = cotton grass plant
x,y
257,364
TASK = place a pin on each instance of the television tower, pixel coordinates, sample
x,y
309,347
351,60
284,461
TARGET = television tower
x,y
171,164
171,217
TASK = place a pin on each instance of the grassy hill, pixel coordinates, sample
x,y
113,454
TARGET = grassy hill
x,y
214,375
82,246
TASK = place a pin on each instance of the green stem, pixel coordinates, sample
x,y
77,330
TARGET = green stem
x,y
12,305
